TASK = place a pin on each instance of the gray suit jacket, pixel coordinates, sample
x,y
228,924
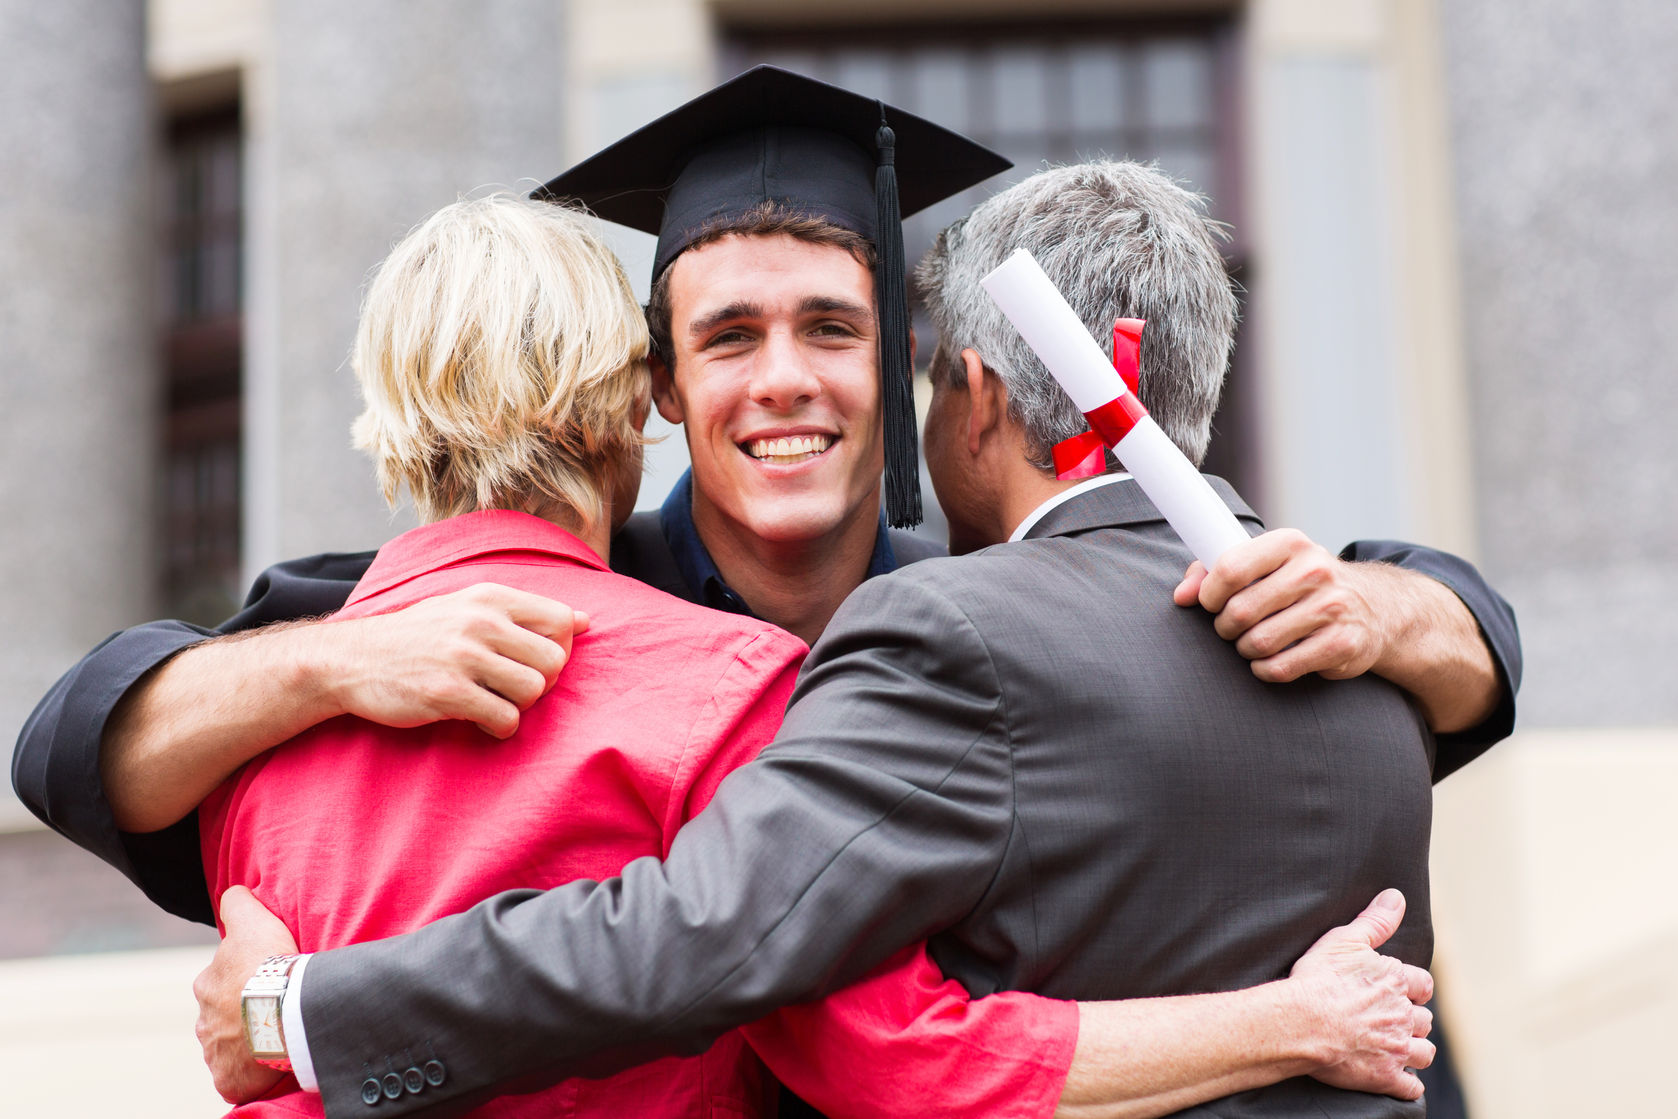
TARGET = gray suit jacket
x,y
1028,756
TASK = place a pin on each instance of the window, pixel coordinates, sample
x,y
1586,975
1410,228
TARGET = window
x,y
1141,89
200,301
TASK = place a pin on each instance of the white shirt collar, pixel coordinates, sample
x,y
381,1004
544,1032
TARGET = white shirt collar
x,y
1061,498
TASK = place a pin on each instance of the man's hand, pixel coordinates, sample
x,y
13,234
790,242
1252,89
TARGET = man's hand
x,y
1292,607
253,934
1369,1006
483,655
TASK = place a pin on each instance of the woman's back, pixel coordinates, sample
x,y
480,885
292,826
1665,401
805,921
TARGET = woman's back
x,y
355,832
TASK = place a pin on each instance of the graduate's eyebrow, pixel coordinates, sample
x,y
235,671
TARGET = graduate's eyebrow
x,y
746,309
728,312
833,305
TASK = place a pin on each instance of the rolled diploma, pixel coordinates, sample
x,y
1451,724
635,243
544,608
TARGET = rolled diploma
x,y
1050,327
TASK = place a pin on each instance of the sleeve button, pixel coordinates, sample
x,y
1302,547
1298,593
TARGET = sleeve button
x,y
392,1086
413,1080
370,1091
434,1073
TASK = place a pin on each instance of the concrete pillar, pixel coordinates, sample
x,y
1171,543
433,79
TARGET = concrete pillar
x,y
78,390
361,119
1565,158
1362,399
1549,855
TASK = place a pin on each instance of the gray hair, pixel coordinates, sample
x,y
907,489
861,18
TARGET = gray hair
x,y
1120,240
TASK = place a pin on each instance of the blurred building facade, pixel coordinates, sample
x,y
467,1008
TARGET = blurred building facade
x,y
1451,219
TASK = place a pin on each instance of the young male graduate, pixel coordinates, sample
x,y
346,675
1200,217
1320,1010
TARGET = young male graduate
x,y
791,385
1027,755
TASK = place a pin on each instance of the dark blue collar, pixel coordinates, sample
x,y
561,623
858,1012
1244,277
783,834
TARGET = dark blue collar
x,y
699,570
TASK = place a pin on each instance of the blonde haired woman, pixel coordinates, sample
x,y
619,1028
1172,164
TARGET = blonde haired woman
x,y
502,361
501,358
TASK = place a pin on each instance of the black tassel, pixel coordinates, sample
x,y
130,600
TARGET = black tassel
x,y
897,395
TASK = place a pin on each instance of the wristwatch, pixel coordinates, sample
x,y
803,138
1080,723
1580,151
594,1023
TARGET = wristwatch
x,y
260,1004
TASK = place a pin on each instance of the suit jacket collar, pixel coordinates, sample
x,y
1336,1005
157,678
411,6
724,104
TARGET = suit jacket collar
x,y
1124,503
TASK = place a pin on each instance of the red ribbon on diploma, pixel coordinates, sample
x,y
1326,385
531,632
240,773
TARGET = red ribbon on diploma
x,y
1084,455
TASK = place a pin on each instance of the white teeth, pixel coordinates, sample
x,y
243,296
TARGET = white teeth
x,y
788,448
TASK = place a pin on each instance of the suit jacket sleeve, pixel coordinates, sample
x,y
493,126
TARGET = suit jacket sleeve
x,y
879,815
55,768
1497,625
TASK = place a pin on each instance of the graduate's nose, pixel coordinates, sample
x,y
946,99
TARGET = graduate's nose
x,y
784,376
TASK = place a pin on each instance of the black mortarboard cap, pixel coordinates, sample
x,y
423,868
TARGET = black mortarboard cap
x,y
770,135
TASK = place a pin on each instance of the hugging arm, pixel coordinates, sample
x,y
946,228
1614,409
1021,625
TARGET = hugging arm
x,y
878,817
129,741
1479,658
812,864
1422,619
905,1040
57,769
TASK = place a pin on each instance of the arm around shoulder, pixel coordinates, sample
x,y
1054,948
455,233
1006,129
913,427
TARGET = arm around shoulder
x,y
1460,644
57,769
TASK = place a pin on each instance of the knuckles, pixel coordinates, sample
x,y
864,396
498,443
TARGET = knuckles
x,y
526,687
483,594
1272,671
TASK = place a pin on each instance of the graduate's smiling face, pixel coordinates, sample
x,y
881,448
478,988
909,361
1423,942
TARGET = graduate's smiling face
x,y
776,382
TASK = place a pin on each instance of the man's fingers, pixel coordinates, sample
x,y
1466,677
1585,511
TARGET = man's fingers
x,y
523,647
519,684
1188,591
537,613
244,916
1418,984
1247,563
1407,1086
240,907
496,717
1249,605
1271,625
1378,921
1324,653
1421,1022
1422,1052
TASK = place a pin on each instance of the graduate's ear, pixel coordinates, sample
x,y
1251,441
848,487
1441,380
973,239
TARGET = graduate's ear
x,y
987,399
664,390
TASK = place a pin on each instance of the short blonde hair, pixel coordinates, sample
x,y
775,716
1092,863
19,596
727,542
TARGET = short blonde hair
x,y
502,360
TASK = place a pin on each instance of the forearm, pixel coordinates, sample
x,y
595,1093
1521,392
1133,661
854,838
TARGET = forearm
x,y
835,848
769,898
187,726
1148,1057
1434,649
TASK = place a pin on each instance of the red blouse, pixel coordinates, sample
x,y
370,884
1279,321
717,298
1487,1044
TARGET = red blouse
x,y
354,832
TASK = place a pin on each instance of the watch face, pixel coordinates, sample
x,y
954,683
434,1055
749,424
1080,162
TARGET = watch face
x,y
262,1026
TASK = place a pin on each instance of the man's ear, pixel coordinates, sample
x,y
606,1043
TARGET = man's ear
x,y
664,390
987,400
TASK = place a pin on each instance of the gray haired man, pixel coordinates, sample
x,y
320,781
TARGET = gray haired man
x,y
1027,756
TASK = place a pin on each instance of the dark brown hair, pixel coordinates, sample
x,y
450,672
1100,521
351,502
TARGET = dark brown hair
x,y
766,219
